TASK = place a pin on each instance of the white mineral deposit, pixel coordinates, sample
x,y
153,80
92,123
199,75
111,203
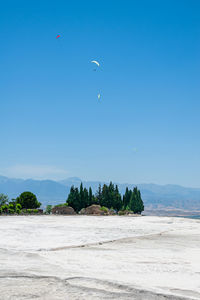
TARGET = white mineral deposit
x,y
88,257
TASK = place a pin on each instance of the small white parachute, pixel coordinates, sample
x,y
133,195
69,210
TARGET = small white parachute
x,y
99,96
95,62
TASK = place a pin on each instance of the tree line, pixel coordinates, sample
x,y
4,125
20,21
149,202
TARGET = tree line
x,y
107,196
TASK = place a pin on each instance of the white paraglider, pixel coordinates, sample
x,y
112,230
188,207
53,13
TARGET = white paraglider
x,y
99,96
95,62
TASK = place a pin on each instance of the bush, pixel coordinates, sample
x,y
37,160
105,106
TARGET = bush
x,y
32,211
104,209
125,212
60,205
121,213
112,211
4,209
18,206
10,208
18,211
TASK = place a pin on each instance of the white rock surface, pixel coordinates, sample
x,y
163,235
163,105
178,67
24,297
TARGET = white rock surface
x,y
86,257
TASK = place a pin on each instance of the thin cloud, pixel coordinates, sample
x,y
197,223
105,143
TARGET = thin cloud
x,y
34,171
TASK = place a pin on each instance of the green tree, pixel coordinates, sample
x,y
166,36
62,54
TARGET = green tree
x,y
85,202
71,196
91,199
127,198
81,196
111,197
136,203
98,198
73,199
105,201
48,209
3,199
141,203
28,200
117,199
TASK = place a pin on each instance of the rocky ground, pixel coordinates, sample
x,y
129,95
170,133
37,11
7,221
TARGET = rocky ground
x,y
87,257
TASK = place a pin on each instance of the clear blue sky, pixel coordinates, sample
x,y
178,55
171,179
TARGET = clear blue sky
x,y
146,128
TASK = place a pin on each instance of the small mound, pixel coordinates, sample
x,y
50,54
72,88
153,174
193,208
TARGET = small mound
x,y
93,210
63,210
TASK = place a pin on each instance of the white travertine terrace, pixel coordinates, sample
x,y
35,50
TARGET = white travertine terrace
x,y
87,257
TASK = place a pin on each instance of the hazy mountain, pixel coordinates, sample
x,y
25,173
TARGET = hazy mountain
x,y
52,192
47,191
154,195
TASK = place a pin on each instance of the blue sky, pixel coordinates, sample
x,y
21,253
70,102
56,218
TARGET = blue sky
x,y
146,126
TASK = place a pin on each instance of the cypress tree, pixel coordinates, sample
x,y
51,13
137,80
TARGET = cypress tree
x,y
136,203
127,198
81,193
105,196
117,200
98,198
90,197
111,195
73,199
141,204
133,203
85,198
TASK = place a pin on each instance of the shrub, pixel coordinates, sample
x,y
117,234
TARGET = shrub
x,y
104,209
11,206
18,206
121,213
125,212
60,205
112,211
30,211
48,209
5,208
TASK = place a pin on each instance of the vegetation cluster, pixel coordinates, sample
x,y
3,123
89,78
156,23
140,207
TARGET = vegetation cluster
x,y
26,203
107,197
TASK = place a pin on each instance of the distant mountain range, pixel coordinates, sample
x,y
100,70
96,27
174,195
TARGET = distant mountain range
x,y
54,192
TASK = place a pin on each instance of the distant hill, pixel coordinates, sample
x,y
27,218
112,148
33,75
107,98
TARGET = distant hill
x,y
52,192
47,191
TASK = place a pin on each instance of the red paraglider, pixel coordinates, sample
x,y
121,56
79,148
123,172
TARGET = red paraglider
x,y
58,36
